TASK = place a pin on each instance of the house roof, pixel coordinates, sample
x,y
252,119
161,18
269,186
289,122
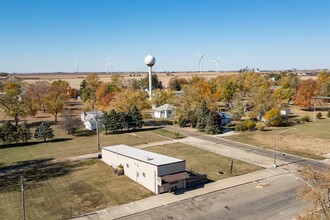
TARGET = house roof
x,y
165,107
142,155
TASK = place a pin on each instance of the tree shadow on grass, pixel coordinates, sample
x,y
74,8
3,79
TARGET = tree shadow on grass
x,y
34,171
84,133
31,143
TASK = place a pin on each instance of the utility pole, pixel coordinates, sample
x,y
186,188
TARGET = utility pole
x,y
23,201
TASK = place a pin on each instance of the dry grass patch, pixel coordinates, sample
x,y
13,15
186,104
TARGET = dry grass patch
x,y
309,139
203,161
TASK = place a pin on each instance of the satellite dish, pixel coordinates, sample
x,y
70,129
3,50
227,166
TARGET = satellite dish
x,y
149,60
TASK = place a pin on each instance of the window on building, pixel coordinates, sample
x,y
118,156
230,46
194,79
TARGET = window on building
x,y
144,174
127,165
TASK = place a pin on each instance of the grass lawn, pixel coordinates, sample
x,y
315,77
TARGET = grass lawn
x,y
204,162
67,145
309,139
51,189
166,133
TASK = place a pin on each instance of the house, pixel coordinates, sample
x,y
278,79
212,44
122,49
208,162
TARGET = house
x,y
156,172
164,111
88,118
225,118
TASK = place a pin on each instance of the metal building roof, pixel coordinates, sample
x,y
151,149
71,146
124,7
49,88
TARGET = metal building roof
x,y
142,155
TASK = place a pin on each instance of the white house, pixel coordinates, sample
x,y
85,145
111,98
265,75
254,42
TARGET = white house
x,y
156,172
89,119
164,111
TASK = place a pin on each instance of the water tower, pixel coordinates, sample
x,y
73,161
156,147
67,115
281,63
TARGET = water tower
x,y
150,61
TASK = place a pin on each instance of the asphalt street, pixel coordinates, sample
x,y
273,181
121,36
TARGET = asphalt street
x,y
272,198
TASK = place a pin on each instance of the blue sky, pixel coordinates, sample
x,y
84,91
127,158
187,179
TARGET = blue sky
x,y
49,35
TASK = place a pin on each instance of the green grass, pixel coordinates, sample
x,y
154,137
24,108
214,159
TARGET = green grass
x,y
167,133
67,145
51,189
204,162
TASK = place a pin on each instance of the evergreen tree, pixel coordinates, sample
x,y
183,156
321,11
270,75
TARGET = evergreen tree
x,y
9,133
202,114
122,120
44,131
134,118
212,127
24,133
110,121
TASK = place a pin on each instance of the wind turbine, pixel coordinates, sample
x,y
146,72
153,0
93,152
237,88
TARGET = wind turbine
x,y
109,66
216,64
77,65
200,63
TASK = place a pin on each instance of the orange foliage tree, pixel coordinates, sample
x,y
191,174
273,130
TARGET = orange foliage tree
x,y
306,91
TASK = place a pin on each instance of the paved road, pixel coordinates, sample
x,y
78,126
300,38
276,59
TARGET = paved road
x,y
273,198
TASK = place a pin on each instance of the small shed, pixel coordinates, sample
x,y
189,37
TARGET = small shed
x,y
156,172
164,111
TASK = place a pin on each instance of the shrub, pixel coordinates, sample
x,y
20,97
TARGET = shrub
x,y
328,115
306,118
245,125
260,126
319,115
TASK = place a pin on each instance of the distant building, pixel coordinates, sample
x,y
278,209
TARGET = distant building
x,y
156,172
164,111
88,118
285,112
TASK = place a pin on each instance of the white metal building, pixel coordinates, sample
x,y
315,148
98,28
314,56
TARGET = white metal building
x,y
156,172
89,119
164,111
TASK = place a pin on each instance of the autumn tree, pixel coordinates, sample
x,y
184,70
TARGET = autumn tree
x,y
127,98
12,101
88,88
105,94
306,91
273,117
70,123
176,83
36,92
56,97
156,84
161,97
315,188
263,101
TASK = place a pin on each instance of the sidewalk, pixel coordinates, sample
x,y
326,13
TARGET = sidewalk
x,y
120,211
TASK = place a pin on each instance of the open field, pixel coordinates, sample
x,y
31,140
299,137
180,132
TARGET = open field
x,y
309,139
204,162
51,189
84,142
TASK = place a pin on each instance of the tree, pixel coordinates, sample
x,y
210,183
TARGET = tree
x,y
70,124
134,118
122,120
315,188
156,84
56,97
273,117
176,83
228,92
36,93
306,91
263,101
24,132
12,103
44,131
9,133
88,88
105,94
123,101
110,121
202,114
212,126
161,97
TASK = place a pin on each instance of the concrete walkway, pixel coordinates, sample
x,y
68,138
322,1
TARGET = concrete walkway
x,y
120,211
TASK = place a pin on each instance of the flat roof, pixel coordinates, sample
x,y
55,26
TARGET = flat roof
x,y
142,155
